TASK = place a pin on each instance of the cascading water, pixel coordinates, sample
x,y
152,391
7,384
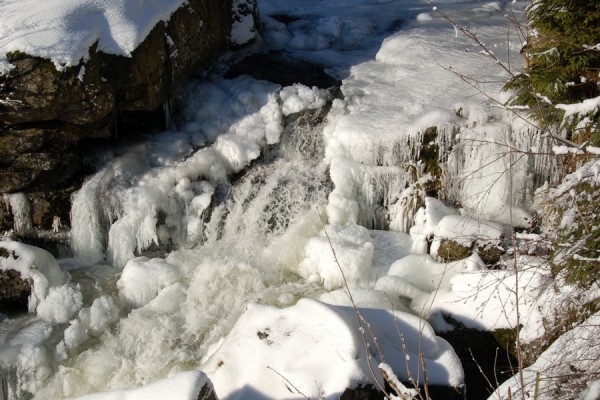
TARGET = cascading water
x,y
237,242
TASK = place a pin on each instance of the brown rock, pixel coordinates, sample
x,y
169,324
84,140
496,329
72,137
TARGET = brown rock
x,y
14,290
45,112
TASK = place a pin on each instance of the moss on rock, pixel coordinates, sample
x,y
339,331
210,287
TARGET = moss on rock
x,y
490,253
451,250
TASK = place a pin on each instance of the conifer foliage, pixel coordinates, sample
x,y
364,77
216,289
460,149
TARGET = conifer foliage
x,y
562,67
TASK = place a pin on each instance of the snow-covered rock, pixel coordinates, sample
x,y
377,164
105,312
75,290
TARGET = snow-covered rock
x,y
319,350
79,62
34,264
193,385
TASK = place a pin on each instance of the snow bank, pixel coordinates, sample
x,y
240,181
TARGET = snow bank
x,y
183,386
486,300
571,357
365,298
424,273
35,264
388,105
336,358
469,293
63,31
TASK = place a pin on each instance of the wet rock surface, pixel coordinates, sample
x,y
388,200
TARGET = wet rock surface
x,y
284,69
485,360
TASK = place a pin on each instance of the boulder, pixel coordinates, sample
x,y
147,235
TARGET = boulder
x,y
50,120
45,113
14,291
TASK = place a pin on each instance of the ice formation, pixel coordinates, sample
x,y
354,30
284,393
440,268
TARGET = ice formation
x,y
204,244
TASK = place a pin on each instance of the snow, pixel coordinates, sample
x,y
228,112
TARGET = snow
x,y
75,335
465,231
242,29
183,386
64,31
347,249
299,97
222,235
425,223
282,363
395,383
573,351
35,264
592,391
486,300
585,107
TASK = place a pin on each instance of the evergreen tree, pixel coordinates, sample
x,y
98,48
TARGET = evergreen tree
x,y
563,66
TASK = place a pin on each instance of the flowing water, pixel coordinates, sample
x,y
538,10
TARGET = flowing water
x,y
209,238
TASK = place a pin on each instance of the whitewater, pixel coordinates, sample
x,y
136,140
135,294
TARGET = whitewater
x,y
226,245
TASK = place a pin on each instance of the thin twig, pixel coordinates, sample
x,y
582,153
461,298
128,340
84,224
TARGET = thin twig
x,y
289,383
355,308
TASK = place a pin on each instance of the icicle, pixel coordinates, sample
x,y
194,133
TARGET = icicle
x,y
21,211
87,221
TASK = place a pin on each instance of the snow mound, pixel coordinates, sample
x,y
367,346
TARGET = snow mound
x,y
486,299
570,352
60,304
183,386
465,231
424,273
426,221
64,30
336,358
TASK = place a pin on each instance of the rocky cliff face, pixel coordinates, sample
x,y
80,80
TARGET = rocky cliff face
x,y
45,114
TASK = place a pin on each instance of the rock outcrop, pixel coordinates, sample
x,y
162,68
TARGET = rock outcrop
x,y
47,117
44,113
